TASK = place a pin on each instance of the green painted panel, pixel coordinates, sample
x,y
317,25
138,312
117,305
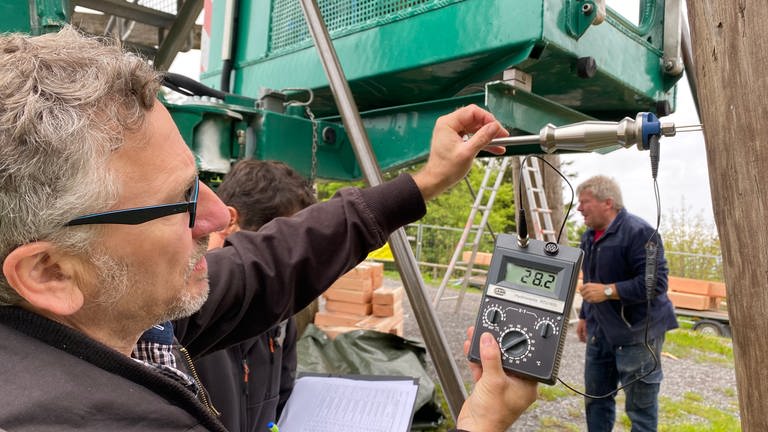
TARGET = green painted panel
x,y
629,78
33,16
16,17
429,55
403,52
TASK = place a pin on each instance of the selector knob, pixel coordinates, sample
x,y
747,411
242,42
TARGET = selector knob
x,y
514,343
493,316
546,330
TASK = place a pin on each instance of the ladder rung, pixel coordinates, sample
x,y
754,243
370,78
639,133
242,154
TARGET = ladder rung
x,y
541,210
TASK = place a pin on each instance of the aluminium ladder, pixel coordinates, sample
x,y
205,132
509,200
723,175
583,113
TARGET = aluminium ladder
x,y
539,211
482,203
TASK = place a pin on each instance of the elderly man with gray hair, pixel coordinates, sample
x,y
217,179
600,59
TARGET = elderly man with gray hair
x,y
621,323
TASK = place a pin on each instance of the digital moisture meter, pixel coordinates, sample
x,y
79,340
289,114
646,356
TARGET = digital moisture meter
x,y
525,305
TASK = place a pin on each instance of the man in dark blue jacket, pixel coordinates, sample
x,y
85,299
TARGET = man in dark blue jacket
x,y
616,309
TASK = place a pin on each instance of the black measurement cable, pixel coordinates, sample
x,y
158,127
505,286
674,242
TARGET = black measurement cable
x,y
523,165
651,257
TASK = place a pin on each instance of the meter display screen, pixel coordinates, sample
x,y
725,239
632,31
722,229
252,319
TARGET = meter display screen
x,y
530,277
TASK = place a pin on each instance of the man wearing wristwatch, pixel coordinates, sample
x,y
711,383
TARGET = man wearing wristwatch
x,y
613,315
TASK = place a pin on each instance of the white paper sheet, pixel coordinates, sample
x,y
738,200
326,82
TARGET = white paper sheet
x,y
332,404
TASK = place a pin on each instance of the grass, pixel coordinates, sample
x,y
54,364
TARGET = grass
x,y
699,347
551,393
693,414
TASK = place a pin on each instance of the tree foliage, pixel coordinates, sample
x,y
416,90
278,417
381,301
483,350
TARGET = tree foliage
x,y
451,209
692,245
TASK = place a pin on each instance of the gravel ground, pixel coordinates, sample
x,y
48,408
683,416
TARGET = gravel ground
x,y
566,413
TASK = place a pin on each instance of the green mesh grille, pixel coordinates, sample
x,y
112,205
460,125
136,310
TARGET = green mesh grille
x,y
288,30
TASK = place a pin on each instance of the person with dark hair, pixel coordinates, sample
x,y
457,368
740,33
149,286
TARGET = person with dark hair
x,y
623,328
104,227
249,383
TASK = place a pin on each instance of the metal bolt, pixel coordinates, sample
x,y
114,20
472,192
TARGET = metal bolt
x,y
240,136
587,8
669,65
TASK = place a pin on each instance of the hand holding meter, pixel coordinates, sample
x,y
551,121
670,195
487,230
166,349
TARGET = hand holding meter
x,y
527,298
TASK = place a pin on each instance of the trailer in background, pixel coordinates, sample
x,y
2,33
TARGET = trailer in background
x,y
701,303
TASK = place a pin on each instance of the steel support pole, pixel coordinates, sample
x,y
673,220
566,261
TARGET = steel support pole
x,y
177,34
447,371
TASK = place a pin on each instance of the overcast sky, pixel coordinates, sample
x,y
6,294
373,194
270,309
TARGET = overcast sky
x,y
683,176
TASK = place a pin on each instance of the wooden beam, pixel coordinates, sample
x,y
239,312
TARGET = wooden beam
x,y
730,58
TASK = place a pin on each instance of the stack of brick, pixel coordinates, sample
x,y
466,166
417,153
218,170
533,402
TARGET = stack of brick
x,y
357,301
696,294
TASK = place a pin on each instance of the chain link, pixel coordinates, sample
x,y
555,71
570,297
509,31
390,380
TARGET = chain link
x,y
311,116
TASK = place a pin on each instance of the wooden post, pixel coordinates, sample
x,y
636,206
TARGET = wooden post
x,y
729,44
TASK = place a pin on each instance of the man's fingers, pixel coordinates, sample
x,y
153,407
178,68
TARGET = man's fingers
x,y
490,355
467,119
485,134
474,368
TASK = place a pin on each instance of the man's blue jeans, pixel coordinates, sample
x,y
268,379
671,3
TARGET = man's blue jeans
x,y
606,367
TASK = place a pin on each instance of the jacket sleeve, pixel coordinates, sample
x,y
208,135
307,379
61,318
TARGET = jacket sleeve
x,y
288,365
632,291
260,278
583,247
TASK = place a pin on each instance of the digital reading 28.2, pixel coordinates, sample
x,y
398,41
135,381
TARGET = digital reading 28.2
x,y
530,277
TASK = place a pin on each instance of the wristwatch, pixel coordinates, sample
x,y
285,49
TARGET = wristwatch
x,y
608,291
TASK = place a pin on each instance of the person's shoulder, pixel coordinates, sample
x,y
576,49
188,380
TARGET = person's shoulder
x,y
634,222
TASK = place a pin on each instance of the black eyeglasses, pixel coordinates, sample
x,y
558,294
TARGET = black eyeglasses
x,y
139,215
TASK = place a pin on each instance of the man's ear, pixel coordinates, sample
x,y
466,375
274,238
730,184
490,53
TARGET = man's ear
x,y
233,226
45,277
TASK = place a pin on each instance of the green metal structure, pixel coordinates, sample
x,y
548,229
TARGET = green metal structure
x,y
407,62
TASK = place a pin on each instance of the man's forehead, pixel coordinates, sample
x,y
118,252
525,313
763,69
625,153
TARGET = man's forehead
x,y
155,155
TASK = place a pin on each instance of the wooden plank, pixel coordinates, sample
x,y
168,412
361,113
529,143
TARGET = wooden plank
x,y
692,301
350,308
349,296
689,286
